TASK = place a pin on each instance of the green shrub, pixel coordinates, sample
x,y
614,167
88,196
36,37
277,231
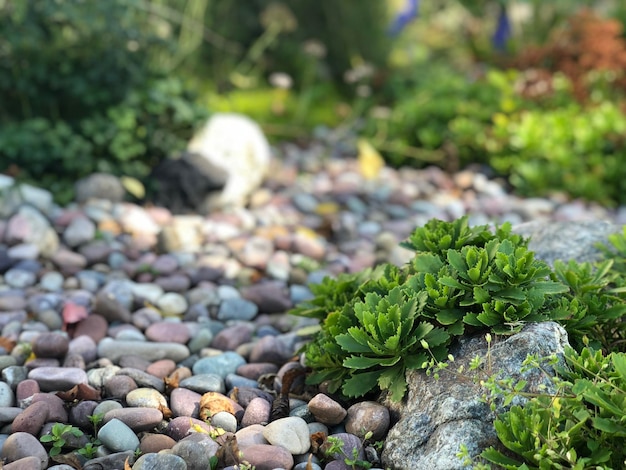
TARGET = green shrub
x,y
461,280
80,95
125,139
572,149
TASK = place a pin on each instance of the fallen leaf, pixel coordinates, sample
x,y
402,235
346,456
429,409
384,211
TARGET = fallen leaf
x,y
7,344
133,186
213,402
80,392
127,465
228,454
70,459
370,161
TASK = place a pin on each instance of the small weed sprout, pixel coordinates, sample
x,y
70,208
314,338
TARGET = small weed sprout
x,y
57,437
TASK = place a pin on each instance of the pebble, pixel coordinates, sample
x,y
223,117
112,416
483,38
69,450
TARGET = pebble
x,y
368,416
326,410
117,436
116,349
168,332
57,378
138,419
172,303
292,433
220,365
196,449
161,313
7,397
21,445
203,383
153,461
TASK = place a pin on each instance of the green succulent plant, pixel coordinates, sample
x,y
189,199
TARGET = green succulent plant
x,y
376,324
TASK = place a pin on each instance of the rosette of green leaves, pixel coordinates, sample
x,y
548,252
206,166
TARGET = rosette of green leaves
x,y
333,302
438,236
500,286
387,340
592,310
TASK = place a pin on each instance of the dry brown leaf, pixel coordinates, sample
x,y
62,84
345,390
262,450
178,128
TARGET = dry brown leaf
x,y
127,465
213,402
80,392
70,459
7,344
228,454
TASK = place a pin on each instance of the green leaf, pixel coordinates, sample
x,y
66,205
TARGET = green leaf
x,y
362,362
609,426
619,363
360,383
394,380
448,317
350,344
457,262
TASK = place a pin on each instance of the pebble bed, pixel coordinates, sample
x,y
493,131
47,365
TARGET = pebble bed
x,y
170,332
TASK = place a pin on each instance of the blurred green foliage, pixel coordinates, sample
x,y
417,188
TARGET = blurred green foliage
x,y
81,92
105,86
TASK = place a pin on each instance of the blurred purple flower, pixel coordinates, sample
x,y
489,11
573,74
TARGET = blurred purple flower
x,y
408,14
503,30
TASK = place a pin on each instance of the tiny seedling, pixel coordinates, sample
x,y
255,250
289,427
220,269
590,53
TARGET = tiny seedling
x,y
89,450
56,436
96,421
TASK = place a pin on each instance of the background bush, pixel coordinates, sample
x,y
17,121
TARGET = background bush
x,y
82,91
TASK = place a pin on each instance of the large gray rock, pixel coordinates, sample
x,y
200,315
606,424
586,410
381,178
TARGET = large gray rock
x,y
567,240
438,416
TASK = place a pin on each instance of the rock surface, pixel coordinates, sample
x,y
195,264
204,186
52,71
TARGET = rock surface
x,y
441,415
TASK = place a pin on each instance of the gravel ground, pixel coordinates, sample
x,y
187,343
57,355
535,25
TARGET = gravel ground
x,y
164,338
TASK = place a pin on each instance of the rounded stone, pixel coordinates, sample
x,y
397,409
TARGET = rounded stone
x,y
326,410
7,397
138,419
52,379
222,364
51,345
268,457
196,450
368,416
146,398
292,433
180,427
237,309
117,436
232,337
32,419
26,463
164,332
119,386
203,383
20,278
172,303
153,461
95,326
162,368
224,420
257,412
21,444
184,402
155,442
